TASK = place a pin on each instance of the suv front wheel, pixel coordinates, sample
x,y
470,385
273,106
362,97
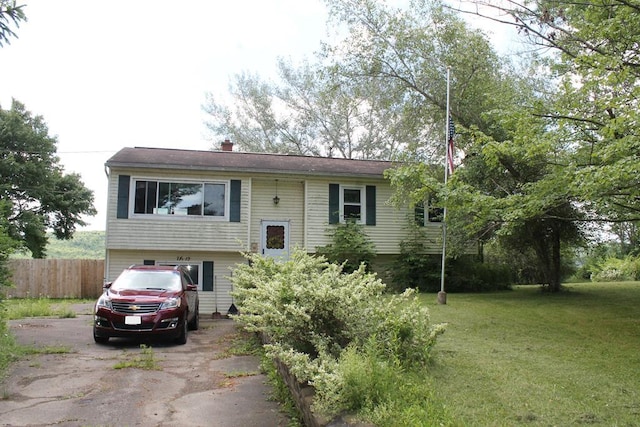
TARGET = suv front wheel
x,y
195,322
182,338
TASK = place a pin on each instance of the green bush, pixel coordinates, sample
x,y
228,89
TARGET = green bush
x,y
317,317
615,270
413,268
349,246
467,274
9,349
7,246
462,274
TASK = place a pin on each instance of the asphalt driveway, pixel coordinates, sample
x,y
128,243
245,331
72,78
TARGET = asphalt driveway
x,y
197,384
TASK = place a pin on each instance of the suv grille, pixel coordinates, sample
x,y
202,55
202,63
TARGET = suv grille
x,y
125,327
133,308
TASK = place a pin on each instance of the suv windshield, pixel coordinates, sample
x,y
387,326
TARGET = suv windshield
x,y
161,280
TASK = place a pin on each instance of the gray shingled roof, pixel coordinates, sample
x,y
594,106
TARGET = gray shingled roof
x,y
233,161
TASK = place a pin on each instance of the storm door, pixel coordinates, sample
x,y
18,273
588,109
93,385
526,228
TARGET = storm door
x,y
275,239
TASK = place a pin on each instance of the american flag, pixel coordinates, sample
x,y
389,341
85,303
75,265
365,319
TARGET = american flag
x,y
452,132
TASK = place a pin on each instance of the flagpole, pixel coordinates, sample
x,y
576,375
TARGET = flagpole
x,y
442,295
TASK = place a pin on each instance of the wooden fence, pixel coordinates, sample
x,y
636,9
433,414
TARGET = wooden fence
x,y
56,278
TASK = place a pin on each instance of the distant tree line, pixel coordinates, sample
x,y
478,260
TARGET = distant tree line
x,y
84,245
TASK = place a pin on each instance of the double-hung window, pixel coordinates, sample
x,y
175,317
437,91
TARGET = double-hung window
x,y
428,212
353,203
157,197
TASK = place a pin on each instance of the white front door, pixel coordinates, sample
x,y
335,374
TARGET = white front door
x,y
275,239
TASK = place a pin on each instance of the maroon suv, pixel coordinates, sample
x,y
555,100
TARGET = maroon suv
x,y
147,300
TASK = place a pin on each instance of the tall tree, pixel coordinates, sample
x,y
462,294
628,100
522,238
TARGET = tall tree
x,y
312,110
33,185
504,189
7,247
593,52
412,48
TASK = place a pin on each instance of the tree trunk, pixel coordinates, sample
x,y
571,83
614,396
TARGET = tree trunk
x,y
556,265
547,249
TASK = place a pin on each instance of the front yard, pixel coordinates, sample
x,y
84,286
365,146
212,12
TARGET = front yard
x,y
529,358
517,358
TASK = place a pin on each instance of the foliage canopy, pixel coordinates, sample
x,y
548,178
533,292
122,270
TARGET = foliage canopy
x,y
10,15
546,147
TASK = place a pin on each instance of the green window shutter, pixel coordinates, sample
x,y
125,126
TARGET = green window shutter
x,y
420,213
123,196
371,204
234,209
334,203
207,276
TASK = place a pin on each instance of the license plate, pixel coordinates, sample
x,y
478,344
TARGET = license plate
x,y
132,320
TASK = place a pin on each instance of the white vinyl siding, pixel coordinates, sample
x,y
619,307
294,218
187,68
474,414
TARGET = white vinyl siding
x,y
290,208
304,204
386,235
148,232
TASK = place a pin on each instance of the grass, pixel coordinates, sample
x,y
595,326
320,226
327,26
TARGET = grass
x,y
144,360
20,308
48,349
524,357
10,351
241,374
240,343
280,391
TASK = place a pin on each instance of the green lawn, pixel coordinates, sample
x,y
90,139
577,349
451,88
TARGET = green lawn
x,y
529,358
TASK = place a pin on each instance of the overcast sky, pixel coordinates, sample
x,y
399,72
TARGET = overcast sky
x,y
108,74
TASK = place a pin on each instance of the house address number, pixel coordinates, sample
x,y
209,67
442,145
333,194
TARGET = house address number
x,y
183,258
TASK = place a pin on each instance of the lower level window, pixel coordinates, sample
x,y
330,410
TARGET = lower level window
x,y
193,270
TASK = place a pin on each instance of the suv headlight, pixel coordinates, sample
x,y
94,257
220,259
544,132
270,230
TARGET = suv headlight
x,y
171,303
104,301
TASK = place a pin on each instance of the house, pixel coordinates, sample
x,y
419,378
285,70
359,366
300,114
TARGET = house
x,y
203,208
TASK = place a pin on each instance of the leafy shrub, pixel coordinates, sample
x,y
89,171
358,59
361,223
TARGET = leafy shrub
x,y
317,317
349,246
615,270
414,268
7,246
466,274
462,274
9,348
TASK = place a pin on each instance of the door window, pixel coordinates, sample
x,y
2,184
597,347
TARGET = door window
x,y
275,237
